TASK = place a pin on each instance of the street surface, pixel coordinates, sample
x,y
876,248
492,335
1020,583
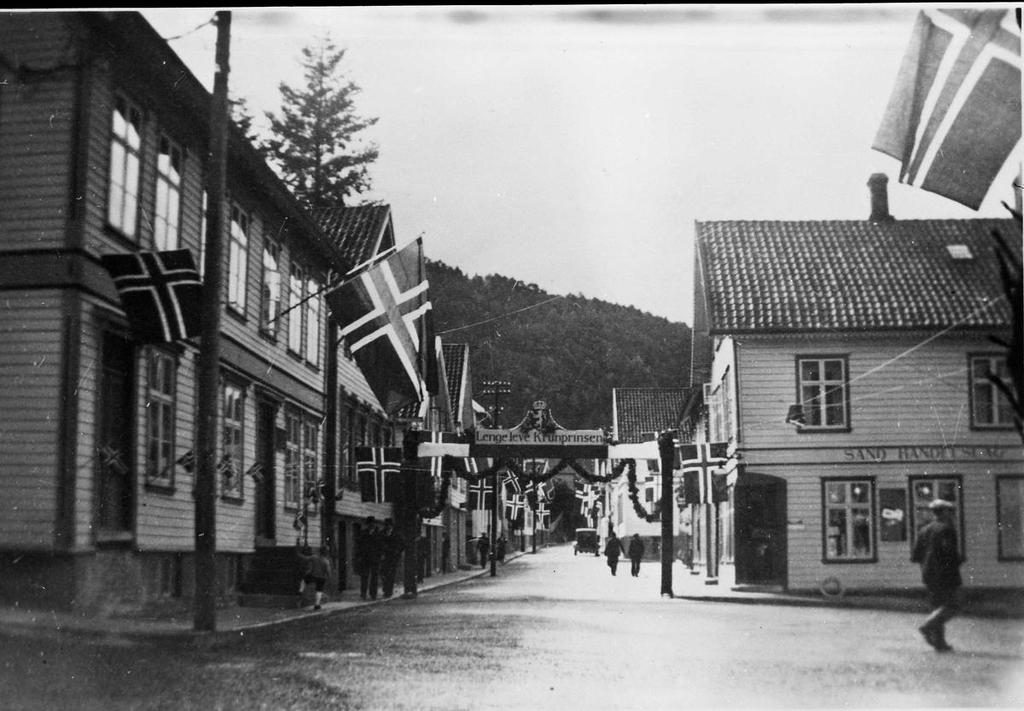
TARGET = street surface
x,y
551,631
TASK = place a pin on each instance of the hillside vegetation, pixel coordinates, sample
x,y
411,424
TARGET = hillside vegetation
x,y
570,351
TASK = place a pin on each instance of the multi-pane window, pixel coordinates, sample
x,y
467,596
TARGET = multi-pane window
x,y
229,467
125,158
270,303
822,387
849,521
160,389
293,460
296,291
924,490
989,406
309,447
312,321
167,218
238,258
1010,521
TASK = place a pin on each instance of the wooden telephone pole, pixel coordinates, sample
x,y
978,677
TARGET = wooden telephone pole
x,y
205,617
497,388
667,451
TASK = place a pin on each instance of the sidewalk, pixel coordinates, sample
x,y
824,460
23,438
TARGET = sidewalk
x,y
235,620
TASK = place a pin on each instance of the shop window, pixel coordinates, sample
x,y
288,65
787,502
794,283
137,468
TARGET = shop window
x,y
989,406
849,520
924,490
161,378
125,159
822,387
167,216
1010,521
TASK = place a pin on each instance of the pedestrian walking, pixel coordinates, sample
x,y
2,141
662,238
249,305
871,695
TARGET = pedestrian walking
x,y
937,550
636,554
483,547
613,549
367,559
499,549
315,570
391,553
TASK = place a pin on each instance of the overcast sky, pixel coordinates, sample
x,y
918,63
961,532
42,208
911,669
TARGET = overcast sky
x,y
574,147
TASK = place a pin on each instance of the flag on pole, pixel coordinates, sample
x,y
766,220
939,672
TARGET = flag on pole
x,y
703,480
160,292
512,482
480,493
112,459
954,117
514,506
226,467
256,472
543,515
587,494
382,313
187,461
378,469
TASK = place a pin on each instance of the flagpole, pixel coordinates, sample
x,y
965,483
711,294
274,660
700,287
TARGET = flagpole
x,y
208,375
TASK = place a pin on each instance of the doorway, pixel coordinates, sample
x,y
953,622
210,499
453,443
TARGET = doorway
x,y
760,521
266,504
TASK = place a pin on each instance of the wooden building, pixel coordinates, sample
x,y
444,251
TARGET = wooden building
x,y
103,139
846,362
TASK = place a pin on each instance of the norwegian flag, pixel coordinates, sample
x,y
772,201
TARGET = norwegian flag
x,y
377,469
512,482
703,482
514,507
161,293
587,495
480,493
384,315
187,461
543,515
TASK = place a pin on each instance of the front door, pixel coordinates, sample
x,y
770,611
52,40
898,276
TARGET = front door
x,y
760,520
265,502
114,464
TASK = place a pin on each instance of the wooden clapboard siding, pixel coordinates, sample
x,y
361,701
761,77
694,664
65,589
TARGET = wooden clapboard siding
x,y
352,380
921,397
31,361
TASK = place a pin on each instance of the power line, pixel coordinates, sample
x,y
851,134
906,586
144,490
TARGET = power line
x,y
495,318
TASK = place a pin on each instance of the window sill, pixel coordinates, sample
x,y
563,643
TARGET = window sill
x,y
236,499
823,430
160,487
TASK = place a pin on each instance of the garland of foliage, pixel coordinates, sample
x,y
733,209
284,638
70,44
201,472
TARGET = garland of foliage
x,y
634,496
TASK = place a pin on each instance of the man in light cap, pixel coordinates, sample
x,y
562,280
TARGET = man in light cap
x,y
938,551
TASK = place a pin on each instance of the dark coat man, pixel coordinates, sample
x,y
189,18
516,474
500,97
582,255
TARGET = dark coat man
x,y
367,558
483,547
636,554
938,551
613,549
392,547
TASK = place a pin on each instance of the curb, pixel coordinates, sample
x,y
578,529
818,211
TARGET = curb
x,y
967,610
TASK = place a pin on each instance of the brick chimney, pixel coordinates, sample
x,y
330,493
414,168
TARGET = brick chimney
x,y
878,183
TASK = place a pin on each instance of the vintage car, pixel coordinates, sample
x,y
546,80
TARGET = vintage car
x,y
587,541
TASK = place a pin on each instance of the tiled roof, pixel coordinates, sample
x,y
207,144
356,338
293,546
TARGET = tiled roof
x,y
644,410
454,365
354,231
792,276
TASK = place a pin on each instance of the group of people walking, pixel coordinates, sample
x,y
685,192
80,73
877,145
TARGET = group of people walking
x,y
613,548
377,554
483,549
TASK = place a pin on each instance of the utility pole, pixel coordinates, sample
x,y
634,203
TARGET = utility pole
x,y
205,602
667,450
497,388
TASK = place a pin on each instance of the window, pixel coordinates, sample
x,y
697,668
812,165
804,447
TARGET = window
x,y
270,306
849,520
312,322
295,293
989,407
309,446
125,157
822,392
292,460
167,220
229,468
1010,522
160,387
924,490
238,257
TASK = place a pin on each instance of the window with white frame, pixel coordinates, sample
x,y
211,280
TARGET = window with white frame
x,y
270,306
989,406
229,467
293,460
849,519
924,490
310,476
125,160
822,387
312,321
161,377
296,291
167,216
1010,516
238,258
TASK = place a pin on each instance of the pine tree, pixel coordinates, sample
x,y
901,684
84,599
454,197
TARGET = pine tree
x,y
313,142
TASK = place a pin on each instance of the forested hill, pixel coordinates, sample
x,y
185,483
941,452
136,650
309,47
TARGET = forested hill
x,y
570,351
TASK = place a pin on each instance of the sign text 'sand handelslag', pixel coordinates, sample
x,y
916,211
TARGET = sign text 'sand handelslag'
x,y
536,443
